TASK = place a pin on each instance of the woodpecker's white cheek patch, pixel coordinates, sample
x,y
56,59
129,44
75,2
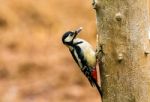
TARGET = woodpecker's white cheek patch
x,y
68,39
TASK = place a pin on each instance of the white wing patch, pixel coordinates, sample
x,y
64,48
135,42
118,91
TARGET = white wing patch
x,y
88,52
78,59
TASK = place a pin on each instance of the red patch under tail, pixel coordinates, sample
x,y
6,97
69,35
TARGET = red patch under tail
x,y
94,74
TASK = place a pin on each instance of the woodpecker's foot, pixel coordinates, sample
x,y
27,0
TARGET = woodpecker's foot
x,y
94,4
99,52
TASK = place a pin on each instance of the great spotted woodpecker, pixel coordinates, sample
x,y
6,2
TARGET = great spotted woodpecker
x,y
84,55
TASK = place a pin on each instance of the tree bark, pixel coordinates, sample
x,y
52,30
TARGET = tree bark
x,y
123,49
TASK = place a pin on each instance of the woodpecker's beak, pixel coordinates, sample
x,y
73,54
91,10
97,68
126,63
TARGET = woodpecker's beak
x,y
76,32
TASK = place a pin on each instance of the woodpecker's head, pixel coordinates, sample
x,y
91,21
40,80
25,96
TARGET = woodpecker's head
x,y
69,36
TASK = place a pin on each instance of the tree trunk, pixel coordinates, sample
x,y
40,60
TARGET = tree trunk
x,y
123,49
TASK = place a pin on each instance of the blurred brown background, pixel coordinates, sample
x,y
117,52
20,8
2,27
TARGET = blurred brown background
x,y
34,64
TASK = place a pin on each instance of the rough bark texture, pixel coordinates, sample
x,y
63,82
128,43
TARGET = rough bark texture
x,y
123,34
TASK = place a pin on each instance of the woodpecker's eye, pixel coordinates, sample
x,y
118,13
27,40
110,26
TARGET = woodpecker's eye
x,y
72,34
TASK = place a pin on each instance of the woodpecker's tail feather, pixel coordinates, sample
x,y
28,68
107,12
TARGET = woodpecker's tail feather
x,y
91,77
97,86
94,83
